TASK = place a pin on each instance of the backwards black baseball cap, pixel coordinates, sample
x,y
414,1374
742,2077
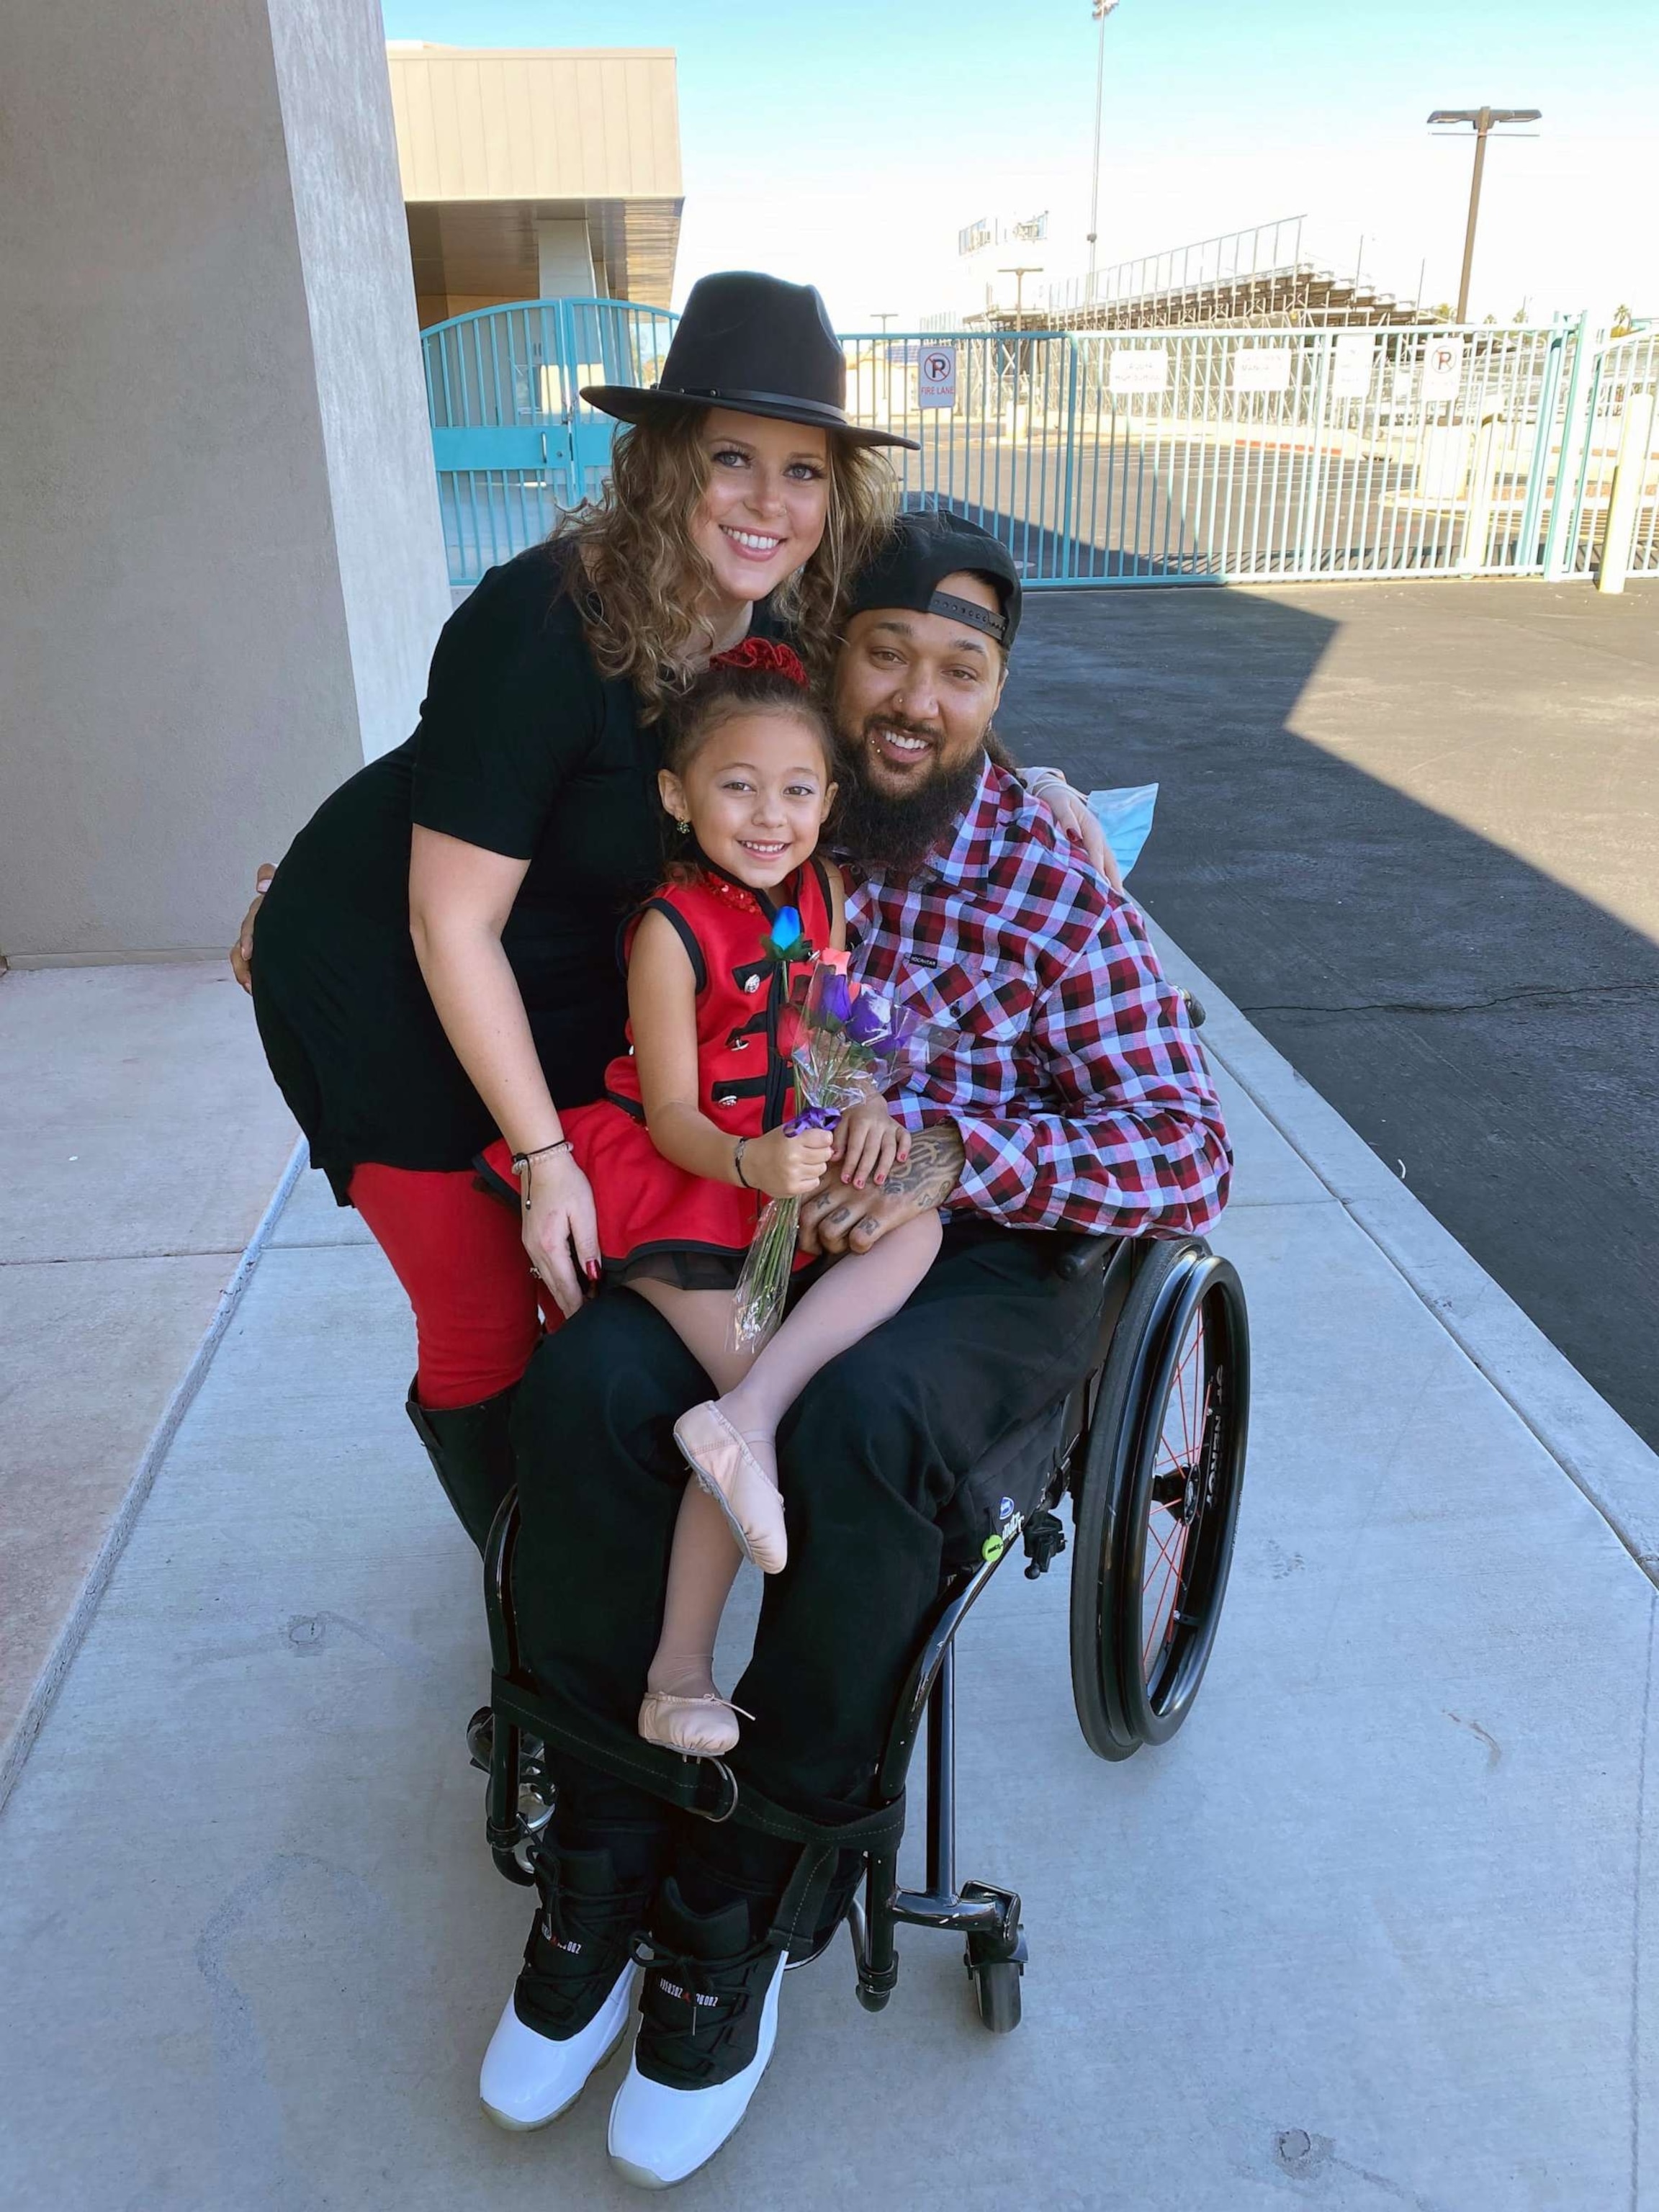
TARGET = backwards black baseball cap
x,y
924,548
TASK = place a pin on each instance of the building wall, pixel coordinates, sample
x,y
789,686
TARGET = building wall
x,y
536,125
197,511
343,162
494,145
564,260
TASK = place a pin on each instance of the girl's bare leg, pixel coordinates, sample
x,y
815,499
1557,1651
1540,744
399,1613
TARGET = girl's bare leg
x,y
702,1322
853,1297
704,1561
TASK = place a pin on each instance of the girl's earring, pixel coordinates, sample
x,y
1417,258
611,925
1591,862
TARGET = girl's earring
x,y
681,826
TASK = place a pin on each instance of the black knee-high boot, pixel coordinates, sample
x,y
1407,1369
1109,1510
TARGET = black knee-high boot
x,y
471,1454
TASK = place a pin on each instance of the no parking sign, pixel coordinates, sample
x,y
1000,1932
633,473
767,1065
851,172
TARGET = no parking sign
x,y
936,377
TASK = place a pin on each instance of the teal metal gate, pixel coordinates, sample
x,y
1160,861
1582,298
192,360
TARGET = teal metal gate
x,y
1614,429
1185,456
513,440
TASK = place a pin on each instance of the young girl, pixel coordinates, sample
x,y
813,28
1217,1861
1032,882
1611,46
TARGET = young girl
x,y
688,1142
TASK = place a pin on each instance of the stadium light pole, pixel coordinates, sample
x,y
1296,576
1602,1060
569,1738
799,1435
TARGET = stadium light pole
x,y
1483,119
1102,9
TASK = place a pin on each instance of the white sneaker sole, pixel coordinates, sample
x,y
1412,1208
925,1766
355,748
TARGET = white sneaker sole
x,y
608,2027
733,2096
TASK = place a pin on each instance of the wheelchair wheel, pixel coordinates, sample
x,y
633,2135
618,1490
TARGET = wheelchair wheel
x,y
996,1966
996,1988
1157,1503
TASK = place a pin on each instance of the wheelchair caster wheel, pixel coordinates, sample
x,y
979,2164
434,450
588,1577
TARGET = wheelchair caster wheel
x,y
873,1999
996,1990
995,1964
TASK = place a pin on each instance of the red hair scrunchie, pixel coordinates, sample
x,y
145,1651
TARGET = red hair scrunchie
x,y
766,656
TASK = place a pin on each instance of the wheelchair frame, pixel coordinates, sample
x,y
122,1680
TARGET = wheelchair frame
x,y
986,1916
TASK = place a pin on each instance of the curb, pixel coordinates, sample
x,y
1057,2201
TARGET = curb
x,y
1593,1446
32,1716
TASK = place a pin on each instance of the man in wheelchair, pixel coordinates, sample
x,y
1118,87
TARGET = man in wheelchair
x,y
1072,1096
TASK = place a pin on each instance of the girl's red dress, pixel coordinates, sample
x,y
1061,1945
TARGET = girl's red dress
x,y
654,1218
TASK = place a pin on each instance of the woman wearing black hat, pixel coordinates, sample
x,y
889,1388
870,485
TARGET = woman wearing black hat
x,y
436,956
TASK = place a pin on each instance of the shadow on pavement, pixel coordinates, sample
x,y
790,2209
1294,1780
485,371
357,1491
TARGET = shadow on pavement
x,y
1494,1035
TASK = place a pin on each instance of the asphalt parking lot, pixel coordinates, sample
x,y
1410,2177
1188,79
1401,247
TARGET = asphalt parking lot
x,y
1411,829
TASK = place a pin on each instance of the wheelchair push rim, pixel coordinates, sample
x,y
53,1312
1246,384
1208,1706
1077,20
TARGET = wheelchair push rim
x,y
1180,1511
1122,1486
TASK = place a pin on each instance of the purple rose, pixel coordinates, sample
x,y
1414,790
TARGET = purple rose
x,y
867,1023
836,1003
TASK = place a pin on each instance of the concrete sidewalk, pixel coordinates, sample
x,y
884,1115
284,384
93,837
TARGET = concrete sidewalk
x,y
1371,1932
142,1138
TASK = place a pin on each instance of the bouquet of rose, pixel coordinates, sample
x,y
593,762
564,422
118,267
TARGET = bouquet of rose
x,y
844,1041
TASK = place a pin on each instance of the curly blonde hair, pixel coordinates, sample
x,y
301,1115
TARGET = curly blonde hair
x,y
644,577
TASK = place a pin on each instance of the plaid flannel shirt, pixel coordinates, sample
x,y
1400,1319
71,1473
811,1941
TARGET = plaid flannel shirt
x,y
1068,1067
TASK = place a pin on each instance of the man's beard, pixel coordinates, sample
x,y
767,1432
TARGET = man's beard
x,y
893,834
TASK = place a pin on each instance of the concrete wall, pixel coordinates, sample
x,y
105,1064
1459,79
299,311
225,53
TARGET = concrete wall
x,y
564,260
207,455
343,163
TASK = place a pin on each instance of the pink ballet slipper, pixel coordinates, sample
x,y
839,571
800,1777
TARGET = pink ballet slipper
x,y
702,1728
735,1479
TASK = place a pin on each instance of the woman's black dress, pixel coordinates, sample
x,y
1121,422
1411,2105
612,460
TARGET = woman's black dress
x,y
522,747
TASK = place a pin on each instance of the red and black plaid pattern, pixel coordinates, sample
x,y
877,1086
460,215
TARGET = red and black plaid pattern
x,y
1069,1066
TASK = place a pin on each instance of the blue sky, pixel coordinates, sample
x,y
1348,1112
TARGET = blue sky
x,y
847,144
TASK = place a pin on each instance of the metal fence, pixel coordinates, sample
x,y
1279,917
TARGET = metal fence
x,y
1143,457
514,443
1219,455
1615,438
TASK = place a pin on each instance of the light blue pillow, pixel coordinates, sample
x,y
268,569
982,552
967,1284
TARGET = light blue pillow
x,y
1125,815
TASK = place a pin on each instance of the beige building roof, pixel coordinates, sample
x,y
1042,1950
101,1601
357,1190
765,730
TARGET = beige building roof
x,y
491,144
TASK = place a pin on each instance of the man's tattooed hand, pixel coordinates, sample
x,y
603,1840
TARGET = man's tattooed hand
x,y
931,1172
838,1218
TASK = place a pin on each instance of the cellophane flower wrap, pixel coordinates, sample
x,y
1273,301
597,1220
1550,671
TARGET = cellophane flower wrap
x,y
844,1042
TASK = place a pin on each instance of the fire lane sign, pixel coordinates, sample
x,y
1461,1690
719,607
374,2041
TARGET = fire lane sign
x,y
936,377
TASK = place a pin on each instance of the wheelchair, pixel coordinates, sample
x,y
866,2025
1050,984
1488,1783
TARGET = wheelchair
x,y
1149,1447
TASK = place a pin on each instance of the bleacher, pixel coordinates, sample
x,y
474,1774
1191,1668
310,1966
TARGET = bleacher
x,y
1258,276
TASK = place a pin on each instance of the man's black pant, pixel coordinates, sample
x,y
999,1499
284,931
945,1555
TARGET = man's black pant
x,y
870,1458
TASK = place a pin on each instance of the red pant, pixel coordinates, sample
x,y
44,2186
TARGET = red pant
x,y
478,1308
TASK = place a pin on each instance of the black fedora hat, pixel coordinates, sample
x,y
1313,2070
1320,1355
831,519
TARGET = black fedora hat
x,y
757,345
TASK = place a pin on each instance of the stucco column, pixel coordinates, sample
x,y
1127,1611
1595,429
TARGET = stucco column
x,y
221,570
564,258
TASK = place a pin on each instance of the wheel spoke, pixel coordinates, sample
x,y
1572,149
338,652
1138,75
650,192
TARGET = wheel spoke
x,y
1168,1551
1189,1530
1178,1389
1171,1558
1173,1562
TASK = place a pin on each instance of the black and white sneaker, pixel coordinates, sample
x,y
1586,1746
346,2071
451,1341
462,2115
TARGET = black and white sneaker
x,y
709,2019
569,2010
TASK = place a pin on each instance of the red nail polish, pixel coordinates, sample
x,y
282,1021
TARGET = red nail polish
x,y
592,1270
